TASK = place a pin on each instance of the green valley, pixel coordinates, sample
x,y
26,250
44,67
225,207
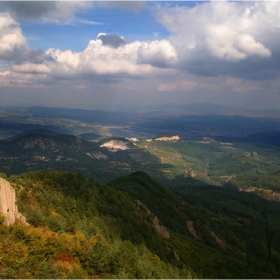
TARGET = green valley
x,y
208,160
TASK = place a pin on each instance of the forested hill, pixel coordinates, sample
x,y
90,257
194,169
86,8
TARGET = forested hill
x,y
134,227
223,233
80,228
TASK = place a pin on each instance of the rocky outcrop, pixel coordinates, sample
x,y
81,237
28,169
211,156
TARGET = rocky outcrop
x,y
8,205
97,155
218,240
132,139
174,138
115,145
188,174
265,193
191,229
160,229
43,143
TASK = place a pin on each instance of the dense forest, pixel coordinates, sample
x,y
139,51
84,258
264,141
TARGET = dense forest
x,y
134,227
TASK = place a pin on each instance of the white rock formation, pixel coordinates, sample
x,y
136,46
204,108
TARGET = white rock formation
x,y
115,145
169,139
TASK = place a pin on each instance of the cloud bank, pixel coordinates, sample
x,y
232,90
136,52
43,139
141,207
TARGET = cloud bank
x,y
235,43
56,12
216,38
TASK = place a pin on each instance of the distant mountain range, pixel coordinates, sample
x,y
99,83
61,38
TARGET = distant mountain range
x,y
213,109
188,121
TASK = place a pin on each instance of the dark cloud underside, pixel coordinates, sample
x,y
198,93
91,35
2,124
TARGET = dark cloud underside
x,y
112,40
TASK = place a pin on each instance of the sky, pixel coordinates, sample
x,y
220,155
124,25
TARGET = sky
x,y
113,55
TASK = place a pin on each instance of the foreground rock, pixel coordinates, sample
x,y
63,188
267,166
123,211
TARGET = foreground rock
x,y
8,205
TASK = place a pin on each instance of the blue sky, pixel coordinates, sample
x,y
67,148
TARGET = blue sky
x,y
134,25
146,53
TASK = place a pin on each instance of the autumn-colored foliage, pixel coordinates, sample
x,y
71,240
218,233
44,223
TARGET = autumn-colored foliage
x,y
72,232
64,257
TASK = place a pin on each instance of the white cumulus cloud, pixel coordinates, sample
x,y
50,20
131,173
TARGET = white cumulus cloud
x,y
228,31
134,58
248,44
157,53
12,41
